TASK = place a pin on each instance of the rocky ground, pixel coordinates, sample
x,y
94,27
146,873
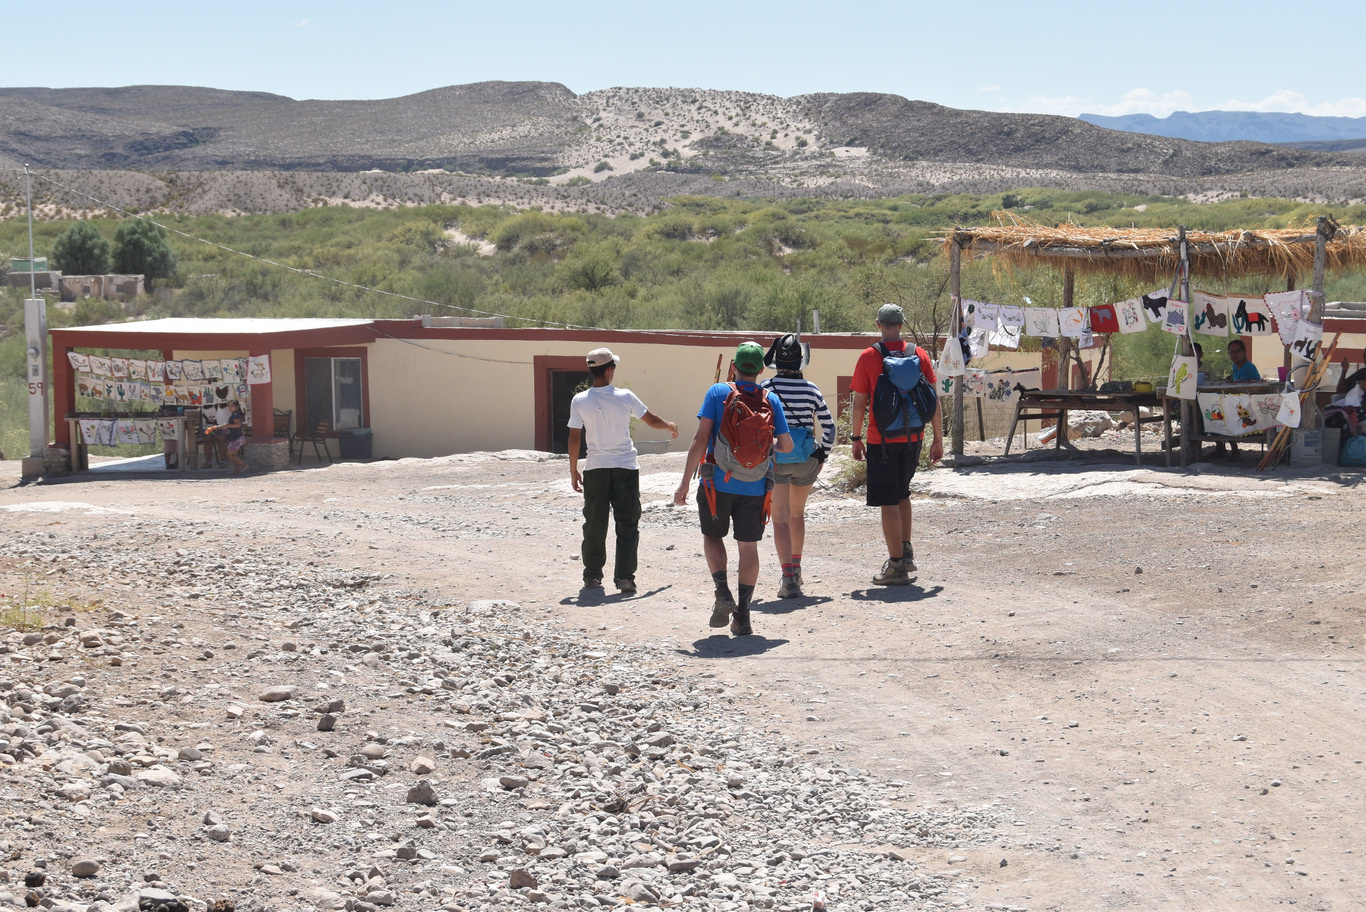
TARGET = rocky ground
x,y
379,685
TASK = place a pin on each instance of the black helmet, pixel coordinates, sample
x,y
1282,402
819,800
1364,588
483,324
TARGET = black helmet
x,y
788,352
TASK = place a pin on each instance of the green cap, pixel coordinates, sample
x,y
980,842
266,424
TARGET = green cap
x,y
749,358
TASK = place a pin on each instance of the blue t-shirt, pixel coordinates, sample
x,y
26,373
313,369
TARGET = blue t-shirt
x,y
713,407
1246,371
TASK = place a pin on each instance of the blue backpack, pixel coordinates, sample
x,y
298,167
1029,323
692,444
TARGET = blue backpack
x,y
902,399
804,443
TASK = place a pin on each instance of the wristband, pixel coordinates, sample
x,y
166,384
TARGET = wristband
x,y
855,437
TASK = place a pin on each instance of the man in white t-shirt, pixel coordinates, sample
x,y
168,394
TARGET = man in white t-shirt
x,y
611,475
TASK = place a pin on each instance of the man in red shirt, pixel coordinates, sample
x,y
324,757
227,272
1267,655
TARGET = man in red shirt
x,y
891,462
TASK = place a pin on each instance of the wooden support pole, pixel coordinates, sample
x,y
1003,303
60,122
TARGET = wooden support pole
x,y
1066,347
955,292
1189,447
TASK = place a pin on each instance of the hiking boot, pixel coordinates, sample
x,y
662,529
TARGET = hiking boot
x,y
593,583
908,557
893,574
720,612
739,625
627,586
790,587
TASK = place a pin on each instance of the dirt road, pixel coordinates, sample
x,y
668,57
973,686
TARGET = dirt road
x,y
1152,675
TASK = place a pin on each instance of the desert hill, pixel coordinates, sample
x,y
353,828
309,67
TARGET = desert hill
x,y
535,143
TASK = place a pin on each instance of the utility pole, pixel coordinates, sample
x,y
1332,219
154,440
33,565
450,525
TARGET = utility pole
x,y
35,337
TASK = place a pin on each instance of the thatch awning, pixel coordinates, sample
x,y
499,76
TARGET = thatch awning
x,y
1154,253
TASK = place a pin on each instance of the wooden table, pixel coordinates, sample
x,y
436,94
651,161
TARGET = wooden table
x,y
1193,426
1056,404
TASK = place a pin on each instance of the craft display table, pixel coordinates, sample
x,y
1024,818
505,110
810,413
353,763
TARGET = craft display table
x,y
1055,404
187,426
1193,426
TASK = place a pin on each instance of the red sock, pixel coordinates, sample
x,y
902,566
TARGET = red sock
x,y
790,569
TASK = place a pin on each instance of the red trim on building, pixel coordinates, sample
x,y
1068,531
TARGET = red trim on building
x,y
542,367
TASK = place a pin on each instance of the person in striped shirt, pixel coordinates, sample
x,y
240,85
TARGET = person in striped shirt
x,y
813,434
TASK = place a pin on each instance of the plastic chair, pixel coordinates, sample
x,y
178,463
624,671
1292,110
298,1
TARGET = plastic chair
x,y
316,437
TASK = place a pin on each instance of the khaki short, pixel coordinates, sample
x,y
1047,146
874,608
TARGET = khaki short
x,y
802,474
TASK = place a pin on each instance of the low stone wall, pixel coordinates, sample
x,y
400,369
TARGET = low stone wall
x,y
56,462
267,453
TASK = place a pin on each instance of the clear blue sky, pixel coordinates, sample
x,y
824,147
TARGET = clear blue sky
x,y
1063,57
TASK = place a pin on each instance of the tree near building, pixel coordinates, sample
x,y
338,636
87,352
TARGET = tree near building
x,y
81,250
142,248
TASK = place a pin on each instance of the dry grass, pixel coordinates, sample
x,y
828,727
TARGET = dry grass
x,y
1154,253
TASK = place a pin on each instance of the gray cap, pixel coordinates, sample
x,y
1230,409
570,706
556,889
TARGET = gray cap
x,y
891,314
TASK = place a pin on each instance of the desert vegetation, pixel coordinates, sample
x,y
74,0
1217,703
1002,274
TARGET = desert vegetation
x,y
699,263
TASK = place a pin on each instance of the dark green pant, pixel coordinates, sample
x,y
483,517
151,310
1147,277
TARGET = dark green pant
x,y
617,490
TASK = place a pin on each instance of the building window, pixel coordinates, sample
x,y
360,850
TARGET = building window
x,y
332,393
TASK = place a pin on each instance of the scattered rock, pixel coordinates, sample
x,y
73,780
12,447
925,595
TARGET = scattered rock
x,y
277,694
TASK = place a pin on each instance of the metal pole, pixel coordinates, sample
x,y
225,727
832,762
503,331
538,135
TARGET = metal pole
x,y
32,270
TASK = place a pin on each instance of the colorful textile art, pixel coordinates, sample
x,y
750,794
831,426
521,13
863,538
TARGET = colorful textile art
x,y
166,427
1212,412
1129,315
118,368
1074,321
1175,321
194,371
1005,336
1249,316
1104,319
1208,314
1289,413
146,429
99,366
174,371
137,369
258,368
1012,315
1307,338
90,431
1181,377
78,361
951,362
1042,322
1288,307
126,430
1239,415
979,345
1155,306
1265,406
156,370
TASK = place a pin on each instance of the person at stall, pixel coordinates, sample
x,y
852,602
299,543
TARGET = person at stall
x,y
235,432
1349,377
216,445
1244,371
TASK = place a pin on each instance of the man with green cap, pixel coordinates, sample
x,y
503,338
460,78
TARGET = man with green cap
x,y
735,478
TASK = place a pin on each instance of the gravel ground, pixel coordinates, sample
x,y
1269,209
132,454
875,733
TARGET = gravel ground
x,y
378,685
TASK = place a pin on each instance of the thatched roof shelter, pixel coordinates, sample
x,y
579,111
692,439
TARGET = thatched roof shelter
x,y
1155,253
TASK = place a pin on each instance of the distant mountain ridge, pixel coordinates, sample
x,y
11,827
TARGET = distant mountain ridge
x,y
539,145
543,129
1237,126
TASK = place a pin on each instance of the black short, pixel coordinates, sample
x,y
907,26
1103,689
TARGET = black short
x,y
747,510
891,466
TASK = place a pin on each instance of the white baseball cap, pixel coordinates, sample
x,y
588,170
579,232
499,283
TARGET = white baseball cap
x,y
601,356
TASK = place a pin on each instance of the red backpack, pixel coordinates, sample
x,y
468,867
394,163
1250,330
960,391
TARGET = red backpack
x,y
744,441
